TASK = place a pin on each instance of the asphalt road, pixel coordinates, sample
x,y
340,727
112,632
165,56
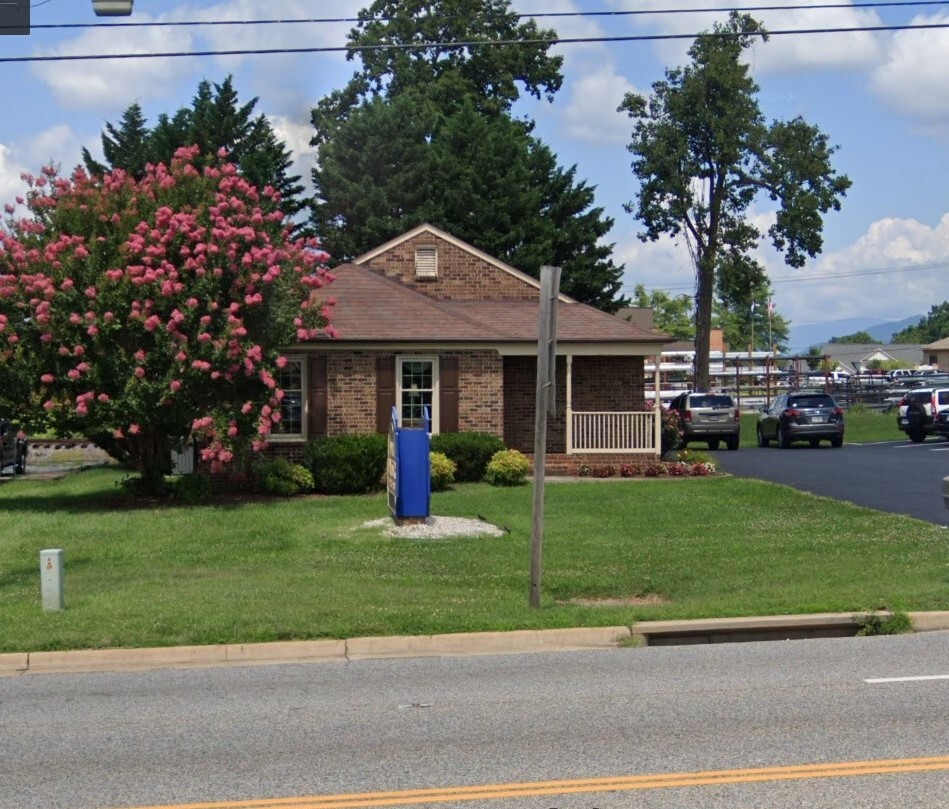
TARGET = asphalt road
x,y
295,731
895,476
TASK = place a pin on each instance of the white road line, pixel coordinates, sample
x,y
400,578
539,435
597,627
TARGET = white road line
x,y
877,680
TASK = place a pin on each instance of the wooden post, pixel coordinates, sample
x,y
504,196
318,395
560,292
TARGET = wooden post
x,y
546,402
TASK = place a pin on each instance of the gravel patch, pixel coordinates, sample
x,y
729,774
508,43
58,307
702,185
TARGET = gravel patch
x,y
436,528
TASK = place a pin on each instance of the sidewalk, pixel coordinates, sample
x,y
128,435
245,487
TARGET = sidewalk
x,y
648,633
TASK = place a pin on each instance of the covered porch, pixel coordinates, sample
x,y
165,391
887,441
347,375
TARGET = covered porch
x,y
601,405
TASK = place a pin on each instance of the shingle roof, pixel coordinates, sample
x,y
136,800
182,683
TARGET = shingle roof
x,y
373,308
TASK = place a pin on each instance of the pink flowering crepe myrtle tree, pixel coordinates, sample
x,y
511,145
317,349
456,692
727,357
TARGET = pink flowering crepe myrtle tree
x,y
140,313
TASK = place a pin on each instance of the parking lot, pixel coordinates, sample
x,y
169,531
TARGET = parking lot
x,y
895,476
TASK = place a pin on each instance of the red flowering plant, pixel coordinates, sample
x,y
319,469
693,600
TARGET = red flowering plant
x,y
142,312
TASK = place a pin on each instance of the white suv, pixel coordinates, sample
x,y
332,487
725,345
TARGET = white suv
x,y
919,410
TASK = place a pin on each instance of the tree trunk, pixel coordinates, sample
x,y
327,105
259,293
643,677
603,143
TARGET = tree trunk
x,y
703,322
154,462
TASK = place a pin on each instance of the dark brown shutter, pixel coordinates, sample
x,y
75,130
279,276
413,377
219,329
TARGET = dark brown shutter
x,y
317,400
448,394
385,392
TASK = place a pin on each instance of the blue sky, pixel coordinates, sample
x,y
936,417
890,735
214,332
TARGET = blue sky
x,y
882,97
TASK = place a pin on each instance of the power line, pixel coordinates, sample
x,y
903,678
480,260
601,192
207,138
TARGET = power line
x,y
787,279
544,15
423,46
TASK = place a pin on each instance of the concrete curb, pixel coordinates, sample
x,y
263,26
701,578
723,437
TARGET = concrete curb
x,y
648,633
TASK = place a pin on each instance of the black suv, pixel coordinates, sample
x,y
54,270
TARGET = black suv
x,y
12,449
708,417
919,412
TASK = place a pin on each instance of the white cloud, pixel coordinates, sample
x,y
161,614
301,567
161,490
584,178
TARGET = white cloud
x,y
10,182
897,268
275,36
296,134
590,114
912,78
58,145
105,84
782,53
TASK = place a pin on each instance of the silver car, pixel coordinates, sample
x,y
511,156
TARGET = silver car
x,y
708,417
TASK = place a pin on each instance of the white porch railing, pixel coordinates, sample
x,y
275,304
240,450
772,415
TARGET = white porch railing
x,y
612,432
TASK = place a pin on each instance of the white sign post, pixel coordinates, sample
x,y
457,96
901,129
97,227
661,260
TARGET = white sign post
x,y
51,579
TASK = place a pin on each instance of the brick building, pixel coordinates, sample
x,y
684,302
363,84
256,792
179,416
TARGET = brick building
x,y
429,321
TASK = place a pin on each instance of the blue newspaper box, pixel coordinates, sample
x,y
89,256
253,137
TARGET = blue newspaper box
x,y
408,472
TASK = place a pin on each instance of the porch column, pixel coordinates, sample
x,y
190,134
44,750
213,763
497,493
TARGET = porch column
x,y
569,410
657,426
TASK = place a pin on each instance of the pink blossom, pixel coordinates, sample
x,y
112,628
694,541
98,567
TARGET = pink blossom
x,y
47,379
134,429
175,384
139,372
103,398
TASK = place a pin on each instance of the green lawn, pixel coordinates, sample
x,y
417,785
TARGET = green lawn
x,y
307,568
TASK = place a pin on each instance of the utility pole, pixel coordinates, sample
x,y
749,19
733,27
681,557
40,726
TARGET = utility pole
x,y
546,403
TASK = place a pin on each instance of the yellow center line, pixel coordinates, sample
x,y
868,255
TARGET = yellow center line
x,y
412,797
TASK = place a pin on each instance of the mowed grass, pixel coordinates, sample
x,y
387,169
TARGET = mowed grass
x,y
238,572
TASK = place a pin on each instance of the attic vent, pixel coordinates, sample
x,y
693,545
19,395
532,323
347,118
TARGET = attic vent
x,y
426,262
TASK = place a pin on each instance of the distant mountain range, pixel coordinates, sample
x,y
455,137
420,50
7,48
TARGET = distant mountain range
x,y
802,338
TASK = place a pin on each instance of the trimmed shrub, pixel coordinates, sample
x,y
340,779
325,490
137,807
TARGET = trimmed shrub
x,y
191,488
443,471
347,464
507,468
470,451
279,477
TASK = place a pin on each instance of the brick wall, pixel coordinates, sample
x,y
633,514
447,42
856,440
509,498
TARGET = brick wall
x,y
351,392
461,274
481,392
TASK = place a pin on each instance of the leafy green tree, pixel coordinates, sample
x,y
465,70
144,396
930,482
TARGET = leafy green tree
x,y
215,120
421,35
703,153
814,358
139,312
751,326
672,315
862,337
933,327
424,134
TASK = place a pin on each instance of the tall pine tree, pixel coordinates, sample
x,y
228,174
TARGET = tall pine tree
x,y
216,119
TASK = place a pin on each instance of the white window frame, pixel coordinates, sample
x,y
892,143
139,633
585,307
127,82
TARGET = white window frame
x,y
426,261
300,436
400,360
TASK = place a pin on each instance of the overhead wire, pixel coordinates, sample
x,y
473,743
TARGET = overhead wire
x,y
421,46
538,15
786,279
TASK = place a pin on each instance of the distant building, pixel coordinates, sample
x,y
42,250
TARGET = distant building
x,y
937,354
856,358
